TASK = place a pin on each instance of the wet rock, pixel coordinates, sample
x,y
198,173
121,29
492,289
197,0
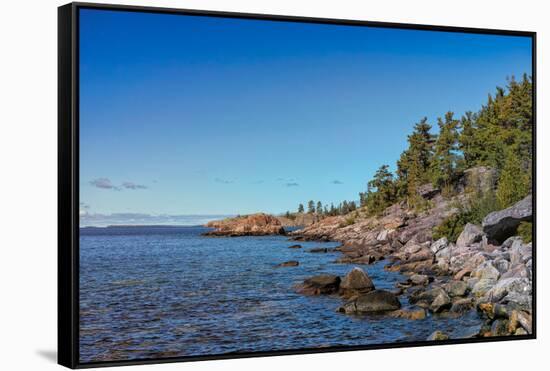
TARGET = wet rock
x,y
374,301
290,263
419,279
462,305
408,314
470,234
356,282
324,284
295,247
427,296
320,250
456,288
438,336
499,225
441,302
499,327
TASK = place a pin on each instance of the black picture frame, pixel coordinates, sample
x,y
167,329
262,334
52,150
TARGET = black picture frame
x,y
68,179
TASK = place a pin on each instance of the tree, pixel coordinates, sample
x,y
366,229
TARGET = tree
x,y
300,208
414,164
319,208
381,190
514,182
444,161
311,207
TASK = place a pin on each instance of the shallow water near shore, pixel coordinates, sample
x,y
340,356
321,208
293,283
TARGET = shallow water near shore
x,y
153,292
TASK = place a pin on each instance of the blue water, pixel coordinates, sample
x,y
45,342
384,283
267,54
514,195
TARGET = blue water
x,y
163,292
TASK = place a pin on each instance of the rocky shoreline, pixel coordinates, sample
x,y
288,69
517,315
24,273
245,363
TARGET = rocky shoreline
x,y
487,270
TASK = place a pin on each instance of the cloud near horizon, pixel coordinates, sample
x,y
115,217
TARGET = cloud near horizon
x,y
336,181
223,181
106,183
293,184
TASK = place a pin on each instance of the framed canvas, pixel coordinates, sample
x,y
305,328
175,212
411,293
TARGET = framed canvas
x,y
241,185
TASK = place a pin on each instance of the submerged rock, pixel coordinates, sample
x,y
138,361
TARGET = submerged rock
x,y
290,263
295,247
438,336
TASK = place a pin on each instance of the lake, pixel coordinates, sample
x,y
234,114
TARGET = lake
x,y
153,292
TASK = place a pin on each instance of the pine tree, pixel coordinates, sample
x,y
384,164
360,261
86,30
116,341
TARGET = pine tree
x,y
319,208
445,157
381,190
514,182
300,208
311,207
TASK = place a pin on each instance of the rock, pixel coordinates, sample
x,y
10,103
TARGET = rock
x,y
462,305
427,191
482,286
520,331
374,301
520,252
499,225
470,234
480,179
320,250
502,265
290,263
456,288
499,327
464,272
439,245
408,314
441,302
249,225
419,279
356,282
427,296
507,285
295,247
526,321
486,270
323,284
438,336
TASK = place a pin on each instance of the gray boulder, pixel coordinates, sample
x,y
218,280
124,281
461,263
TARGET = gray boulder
x,y
438,335
505,286
499,225
323,284
439,245
486,270
374,301
456,288
470,234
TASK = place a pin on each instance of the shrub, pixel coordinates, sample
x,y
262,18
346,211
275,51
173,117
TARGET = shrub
x,y
525,231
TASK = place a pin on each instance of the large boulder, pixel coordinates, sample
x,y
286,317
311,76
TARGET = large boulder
x,y
356,282
499,225
470,234
249,225
374,301
324,284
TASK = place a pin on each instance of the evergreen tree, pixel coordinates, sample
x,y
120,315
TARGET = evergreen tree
x,y
514,182
445,157
381,190
319,208
311,207
300,208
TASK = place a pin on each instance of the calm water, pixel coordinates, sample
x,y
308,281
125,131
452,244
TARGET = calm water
x,y
162,292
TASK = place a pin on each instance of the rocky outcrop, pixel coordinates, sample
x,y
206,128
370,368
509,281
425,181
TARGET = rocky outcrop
x,y
290,263
499,225
249,225
298,220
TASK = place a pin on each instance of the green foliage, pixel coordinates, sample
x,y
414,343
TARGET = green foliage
x,y
310,207
381,191
350,220
525,231
473,211
445,158
514,183
319,208
301,208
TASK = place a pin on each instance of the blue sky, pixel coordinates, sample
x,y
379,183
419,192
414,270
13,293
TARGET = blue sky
x,y
196,115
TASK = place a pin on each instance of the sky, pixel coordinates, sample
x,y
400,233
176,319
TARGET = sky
x,y
189,115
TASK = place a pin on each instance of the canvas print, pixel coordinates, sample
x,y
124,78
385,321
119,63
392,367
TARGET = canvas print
x,y
252,186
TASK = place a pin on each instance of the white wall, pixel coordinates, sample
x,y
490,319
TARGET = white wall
x,y
28,151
